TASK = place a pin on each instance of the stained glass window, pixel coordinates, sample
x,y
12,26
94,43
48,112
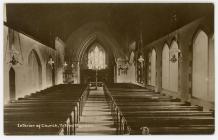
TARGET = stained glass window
x,y
96,58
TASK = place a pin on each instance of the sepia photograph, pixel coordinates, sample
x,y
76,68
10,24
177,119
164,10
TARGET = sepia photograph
x,y
108,69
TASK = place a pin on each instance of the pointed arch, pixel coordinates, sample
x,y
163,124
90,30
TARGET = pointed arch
x,y
12,86
35,71
173,67
200,65
79,40
104,39
165,67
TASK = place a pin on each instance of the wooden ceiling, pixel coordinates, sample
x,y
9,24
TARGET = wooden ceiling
x,y
46,21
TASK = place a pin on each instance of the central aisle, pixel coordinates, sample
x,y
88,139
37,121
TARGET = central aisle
x,y
96,118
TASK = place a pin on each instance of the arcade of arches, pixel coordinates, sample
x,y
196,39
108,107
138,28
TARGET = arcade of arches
x,y
179,64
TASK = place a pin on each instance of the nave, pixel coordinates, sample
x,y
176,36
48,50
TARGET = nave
x,y
109,68
112,109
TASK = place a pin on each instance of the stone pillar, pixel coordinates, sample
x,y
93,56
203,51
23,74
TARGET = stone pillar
x,y
78,73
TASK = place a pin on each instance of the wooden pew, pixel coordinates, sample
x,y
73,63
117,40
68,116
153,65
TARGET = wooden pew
x,y
50,106
44,115
137,108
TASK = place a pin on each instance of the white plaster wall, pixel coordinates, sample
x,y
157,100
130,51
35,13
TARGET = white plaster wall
x,y
121,77
200,66
60,52
174,69
131,73
126,78
6,68
186,36
22,73
165,68
211,91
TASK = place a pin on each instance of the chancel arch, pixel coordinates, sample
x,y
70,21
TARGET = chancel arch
x,y
165,67
12,86
97,60
173,66
35,71
103,38
200,65
77,51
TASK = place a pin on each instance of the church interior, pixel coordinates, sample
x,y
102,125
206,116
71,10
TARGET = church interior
x,y
109,69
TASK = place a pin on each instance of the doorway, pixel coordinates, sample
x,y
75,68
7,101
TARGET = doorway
x,y
12,95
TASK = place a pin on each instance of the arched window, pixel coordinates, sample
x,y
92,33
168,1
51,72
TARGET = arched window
x,y
200,66
153,68
165,67
35,71
96,57
174,67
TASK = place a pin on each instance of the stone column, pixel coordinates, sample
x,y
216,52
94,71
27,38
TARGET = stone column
x,y
78,73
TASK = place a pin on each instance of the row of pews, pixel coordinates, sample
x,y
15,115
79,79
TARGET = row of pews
x,y
137,110
53,111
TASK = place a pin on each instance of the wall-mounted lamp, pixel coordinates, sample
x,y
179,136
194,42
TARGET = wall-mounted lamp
x,y
65,64
51,62
14,54
13,61
175,55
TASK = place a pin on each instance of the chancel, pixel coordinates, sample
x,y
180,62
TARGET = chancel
x,y
108,69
